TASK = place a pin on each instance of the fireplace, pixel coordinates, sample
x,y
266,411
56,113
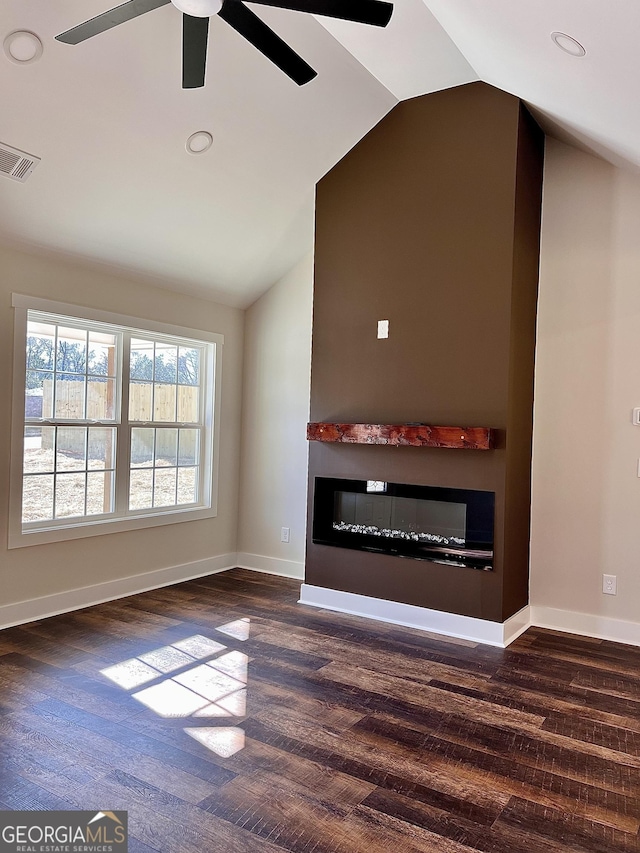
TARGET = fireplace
x,y
442,525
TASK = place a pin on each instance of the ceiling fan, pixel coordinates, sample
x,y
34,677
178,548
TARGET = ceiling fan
x,y
195,28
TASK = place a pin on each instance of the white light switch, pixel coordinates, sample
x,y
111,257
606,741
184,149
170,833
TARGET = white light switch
x,y
383,329
636,412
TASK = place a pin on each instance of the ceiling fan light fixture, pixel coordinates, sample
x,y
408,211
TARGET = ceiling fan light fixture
x,y
568,44
198,8
22,47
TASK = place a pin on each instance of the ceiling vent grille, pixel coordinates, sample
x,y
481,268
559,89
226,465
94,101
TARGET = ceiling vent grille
x,y
16,164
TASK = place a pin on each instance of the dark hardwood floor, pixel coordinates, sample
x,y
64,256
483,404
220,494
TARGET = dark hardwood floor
x,y
349,737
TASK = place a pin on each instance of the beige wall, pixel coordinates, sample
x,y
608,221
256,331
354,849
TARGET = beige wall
x,y
275,413
39,570
586,492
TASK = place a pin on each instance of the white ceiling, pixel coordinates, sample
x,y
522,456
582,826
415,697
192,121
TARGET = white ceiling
x,y
592,101
109,119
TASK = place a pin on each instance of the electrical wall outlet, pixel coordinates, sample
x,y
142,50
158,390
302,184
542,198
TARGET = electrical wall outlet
x,y
284,534
609,584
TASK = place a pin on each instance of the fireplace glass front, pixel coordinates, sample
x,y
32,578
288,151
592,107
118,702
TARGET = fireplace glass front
x,y
452,526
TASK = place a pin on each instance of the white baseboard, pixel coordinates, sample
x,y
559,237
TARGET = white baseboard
x,y
271,565
516,625
587,624
449,624
410,616
76,599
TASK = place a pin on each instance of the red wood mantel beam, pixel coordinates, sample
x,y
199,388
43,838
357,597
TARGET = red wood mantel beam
x,y
404,435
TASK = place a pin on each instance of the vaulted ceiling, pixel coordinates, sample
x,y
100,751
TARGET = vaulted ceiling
x,y
110,120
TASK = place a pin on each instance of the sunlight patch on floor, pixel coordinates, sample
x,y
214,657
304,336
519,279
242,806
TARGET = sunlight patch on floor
x,y
201,689
225,742
169,699
130,673
238,629
150,665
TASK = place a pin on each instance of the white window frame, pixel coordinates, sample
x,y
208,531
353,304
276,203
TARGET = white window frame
x,y
85,526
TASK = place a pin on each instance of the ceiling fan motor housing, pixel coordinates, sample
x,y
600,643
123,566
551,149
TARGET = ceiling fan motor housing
x,y
198,8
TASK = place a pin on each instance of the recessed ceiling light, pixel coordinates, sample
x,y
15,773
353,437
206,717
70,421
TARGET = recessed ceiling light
x,y
22,47
568,44
199,142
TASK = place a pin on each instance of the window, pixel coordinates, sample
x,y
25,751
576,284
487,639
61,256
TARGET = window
x,y
113,423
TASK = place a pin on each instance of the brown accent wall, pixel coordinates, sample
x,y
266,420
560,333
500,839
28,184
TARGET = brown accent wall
x,y
432,221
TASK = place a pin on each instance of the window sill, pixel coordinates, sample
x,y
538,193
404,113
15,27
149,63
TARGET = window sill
x,y
22,539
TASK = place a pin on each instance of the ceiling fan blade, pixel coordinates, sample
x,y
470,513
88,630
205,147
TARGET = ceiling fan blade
x,y
262,37
110,19
195,32
375,12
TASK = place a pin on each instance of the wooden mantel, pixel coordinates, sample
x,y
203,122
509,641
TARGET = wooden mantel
x,y
401,435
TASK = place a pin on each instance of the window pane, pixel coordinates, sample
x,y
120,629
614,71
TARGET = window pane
x,y
164,403
69,397
101,399
71,355
188,404
70,493
141,355
102,354
140,397
142,447
166,447
189,449
166,364
101,447
40,343
38,449
141,489
37,498
70,449
38,394
164,493
187,485
100,492
188,366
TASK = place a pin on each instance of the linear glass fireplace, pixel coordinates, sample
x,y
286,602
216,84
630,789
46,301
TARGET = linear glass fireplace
x,y
452,526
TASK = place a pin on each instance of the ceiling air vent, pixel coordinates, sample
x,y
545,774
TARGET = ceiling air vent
x,y
16,164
